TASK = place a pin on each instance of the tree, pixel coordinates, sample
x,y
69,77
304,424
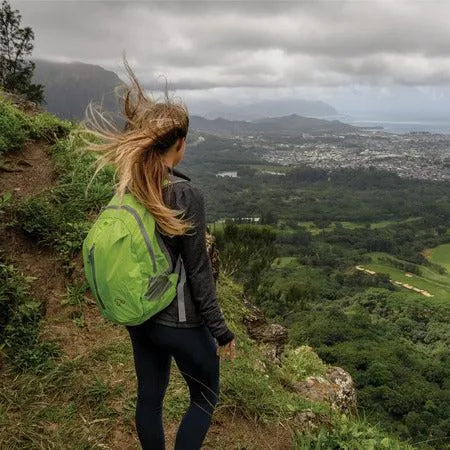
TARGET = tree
x,y
268,218
16,44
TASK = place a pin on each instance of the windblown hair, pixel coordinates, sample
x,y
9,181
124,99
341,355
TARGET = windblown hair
x,y
136,152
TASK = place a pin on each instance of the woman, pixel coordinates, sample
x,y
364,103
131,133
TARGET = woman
x,y
192,328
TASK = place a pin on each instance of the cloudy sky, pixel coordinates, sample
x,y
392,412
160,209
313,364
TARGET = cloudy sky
x,y
357,55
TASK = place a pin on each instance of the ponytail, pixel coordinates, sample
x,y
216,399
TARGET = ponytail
x,y
137,151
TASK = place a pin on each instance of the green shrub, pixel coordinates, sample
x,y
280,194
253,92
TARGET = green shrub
x,y
14,127
38,218
13,292
45,220
45,126
75,170
5,201
19,321
298,364
347,434
257,395
25,352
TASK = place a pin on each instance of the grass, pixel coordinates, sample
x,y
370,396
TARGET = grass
x,y
437,284
59,218
441,255
19,324
83,399
386,223
284,262
16,127
347,434
77,403
312,227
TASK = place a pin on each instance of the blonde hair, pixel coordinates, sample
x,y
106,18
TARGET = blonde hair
x,y
136,152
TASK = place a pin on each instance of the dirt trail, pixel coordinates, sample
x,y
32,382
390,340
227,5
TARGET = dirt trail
x,y
28,172
32,172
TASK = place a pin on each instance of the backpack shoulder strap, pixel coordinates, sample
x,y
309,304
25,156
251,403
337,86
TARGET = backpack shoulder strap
x,y
173,179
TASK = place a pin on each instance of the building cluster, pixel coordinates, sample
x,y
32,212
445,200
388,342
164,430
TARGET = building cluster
x,y
414,155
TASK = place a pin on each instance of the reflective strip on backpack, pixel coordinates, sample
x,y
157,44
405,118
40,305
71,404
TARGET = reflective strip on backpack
x,y
92,262
163,247
180,292
136,215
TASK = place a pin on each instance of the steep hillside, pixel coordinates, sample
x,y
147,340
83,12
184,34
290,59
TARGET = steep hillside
x,y
69,87
68,375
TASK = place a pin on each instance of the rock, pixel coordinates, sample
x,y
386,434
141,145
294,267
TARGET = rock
x,y
21,103
272,334
345,395
307,421
213,254
336,387
259,365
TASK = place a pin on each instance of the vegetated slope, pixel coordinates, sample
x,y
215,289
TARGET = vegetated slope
x,y
69,375
440,255
393,340
426,282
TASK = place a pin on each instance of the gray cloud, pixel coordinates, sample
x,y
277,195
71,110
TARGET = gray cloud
x,y
201,45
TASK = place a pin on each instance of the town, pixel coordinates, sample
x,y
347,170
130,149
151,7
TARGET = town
x,y
414,155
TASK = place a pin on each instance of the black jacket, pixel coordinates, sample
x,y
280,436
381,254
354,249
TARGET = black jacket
x,y
196,301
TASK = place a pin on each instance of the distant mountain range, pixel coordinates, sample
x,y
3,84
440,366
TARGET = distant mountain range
x,y
213,109
287,125
69,87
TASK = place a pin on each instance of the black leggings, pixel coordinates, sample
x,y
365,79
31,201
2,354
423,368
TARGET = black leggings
x,y
194,351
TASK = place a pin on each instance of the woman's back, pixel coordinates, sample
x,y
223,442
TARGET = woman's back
x,y
196,301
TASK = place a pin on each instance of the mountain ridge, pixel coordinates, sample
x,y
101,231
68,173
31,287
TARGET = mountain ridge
x,y
292,124
69,86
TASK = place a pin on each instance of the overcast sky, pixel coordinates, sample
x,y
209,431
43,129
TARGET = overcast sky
x,y
343,52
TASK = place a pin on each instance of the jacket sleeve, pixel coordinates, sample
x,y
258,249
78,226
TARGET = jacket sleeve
x,y
198,264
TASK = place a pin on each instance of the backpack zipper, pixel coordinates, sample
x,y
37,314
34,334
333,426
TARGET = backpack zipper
x,y
144,233
91,260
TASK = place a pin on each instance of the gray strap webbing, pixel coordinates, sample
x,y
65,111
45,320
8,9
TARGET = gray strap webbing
x,y
180,291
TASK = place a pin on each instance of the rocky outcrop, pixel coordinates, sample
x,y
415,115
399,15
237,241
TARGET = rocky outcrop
x,y
271,334
336,387
21,103
213,253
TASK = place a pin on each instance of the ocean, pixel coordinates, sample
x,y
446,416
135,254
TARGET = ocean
x,y
403,127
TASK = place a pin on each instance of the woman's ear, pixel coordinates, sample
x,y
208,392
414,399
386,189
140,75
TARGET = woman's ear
x,y
180,143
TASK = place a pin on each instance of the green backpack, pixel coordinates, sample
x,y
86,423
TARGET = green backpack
x,y
127,265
